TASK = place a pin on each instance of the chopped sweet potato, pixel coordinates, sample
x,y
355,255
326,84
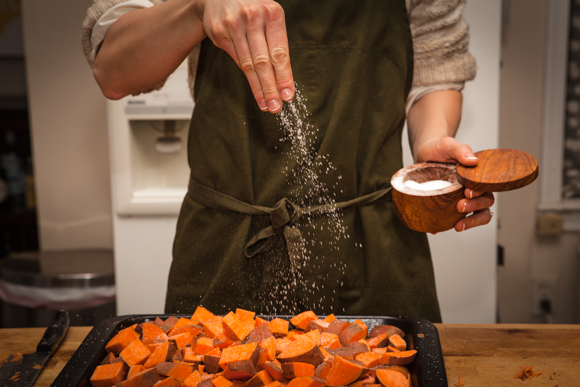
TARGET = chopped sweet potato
x,y
322,370
236,328
305,351
390,377
146,378
301,320
160,354
220,381
269,345
203,345
135,353
329,340
239,369
379,341
525,373
192,357
369,359
388,329
258,334
261,379
181,340
398,342
192,380
108,374
306,381
319,325
151,331
202,315
297,369
135,370
337,326
398,358
352,334
279,327
330,318
233,353
169,323
216,330
259,321
180,371
121,340
343,372
274,370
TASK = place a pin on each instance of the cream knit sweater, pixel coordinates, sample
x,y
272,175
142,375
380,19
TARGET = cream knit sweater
x,y
440,41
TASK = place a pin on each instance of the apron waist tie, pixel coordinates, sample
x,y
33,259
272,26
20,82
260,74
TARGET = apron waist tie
x,y
283,216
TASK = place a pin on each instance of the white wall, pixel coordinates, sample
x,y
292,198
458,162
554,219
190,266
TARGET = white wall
x,y
69,129
527,256
465,263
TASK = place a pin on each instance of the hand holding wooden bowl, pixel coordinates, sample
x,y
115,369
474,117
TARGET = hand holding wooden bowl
x,y
433,209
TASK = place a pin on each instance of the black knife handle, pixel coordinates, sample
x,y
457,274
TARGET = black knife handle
x,y
55,333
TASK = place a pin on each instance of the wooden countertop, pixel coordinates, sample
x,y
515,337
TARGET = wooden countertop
x,y
483,355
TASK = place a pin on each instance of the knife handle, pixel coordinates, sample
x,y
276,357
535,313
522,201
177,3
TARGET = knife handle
x,y
55,333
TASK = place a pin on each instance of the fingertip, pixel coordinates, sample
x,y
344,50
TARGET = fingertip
x,y
287,95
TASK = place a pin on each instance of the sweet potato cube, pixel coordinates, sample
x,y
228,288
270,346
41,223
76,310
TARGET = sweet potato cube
x,y
379,341
239,369
269,345
159,354
393,378
121,340
235,328
322,370
337,326
193,379
169,323
297,369
182,340
203,345
259,321
398,342
398,358
135,353
301,320
369,359
180,371
182,322
388,329
108,374
151,331
329,340
233,353
258,334
279,327
352,334
343,372
220,381
135,370
168,382
261,379
303,350
245,315
146,378
330,318
306,381
202,315
274,370
216,330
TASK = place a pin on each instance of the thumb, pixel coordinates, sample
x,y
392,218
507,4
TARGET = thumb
x,y
462,153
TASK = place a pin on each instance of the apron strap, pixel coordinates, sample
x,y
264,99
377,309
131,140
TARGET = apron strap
x,y
283,216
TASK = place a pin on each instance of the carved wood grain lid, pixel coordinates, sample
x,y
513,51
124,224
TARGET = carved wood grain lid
x,y
499,170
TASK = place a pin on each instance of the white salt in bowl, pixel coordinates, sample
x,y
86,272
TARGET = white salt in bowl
x,y
426,196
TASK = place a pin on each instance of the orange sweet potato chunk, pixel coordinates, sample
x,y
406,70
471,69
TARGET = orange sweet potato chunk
x,y
135,353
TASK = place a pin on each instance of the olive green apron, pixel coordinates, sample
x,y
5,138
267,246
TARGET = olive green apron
x,y
265,230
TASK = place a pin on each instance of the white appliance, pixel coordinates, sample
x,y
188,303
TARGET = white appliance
x,y
148,188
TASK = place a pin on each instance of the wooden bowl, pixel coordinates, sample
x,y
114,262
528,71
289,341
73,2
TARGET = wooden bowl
x,y
427,211
435,210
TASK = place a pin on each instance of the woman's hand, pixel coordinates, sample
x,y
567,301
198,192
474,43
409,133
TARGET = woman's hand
x,y
449,150
253,33
432,123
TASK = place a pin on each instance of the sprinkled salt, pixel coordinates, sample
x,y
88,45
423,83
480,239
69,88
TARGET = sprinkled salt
x,y
428,185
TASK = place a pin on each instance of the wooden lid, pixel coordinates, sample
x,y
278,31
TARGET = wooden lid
x,y
499,170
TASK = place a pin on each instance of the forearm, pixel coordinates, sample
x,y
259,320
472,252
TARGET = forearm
x,y
432,118
144,47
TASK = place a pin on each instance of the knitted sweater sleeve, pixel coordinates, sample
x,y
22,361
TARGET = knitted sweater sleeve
x,y
440,42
